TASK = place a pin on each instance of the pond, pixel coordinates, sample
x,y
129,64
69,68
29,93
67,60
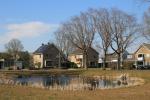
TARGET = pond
x,y
70,82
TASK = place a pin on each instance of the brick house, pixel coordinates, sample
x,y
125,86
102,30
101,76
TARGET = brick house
x,y
142,56
112,59
46,56
77,57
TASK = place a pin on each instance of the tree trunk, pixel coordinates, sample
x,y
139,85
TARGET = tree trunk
x,y
59,64
118,63
104,61
121,60
84,59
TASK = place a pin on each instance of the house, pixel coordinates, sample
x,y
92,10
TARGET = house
x,y
112,59
77,57
6,62
142,56
46,56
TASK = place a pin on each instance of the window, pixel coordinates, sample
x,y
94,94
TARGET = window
x,y
129,56
140,55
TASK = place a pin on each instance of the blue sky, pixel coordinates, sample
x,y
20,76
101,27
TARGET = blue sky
x,y
34,21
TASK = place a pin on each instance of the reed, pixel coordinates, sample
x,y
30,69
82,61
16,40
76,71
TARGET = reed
x,y
141,92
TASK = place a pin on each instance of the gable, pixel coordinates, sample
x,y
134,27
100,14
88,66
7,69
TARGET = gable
x,y
45,48
142,50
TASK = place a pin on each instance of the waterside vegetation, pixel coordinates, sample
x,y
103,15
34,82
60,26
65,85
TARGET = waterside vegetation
x,y
8,92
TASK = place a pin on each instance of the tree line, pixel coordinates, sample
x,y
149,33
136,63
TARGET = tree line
x,y
117,30
14,51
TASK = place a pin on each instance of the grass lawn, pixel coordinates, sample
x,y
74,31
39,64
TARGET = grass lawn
x,y
131,93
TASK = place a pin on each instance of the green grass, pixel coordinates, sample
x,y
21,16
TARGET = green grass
x,y
142,92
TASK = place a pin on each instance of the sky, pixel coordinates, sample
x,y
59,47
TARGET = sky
x,y
34,22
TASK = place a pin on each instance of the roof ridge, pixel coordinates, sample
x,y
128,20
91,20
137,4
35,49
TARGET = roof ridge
x,y
43,47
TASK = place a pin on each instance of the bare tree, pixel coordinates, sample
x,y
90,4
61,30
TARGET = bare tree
x,y
123,27
102,21
13,47
145,29
80,31
146,24
64,45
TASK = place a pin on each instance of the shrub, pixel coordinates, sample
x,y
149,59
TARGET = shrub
x,y
128,65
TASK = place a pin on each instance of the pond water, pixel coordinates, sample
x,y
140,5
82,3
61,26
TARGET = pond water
x,y
69,82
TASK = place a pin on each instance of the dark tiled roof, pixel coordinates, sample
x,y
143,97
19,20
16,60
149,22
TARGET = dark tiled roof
x,y
79,51
44,47
114,55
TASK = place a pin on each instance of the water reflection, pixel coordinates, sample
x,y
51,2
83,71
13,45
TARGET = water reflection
x,y
64,82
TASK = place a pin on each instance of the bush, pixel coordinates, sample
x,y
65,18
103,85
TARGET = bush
x,y
70,65
128,65
38,64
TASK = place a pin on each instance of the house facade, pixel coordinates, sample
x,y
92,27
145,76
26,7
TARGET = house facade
x,y
77,57
142,56
112,59
46,56
139,59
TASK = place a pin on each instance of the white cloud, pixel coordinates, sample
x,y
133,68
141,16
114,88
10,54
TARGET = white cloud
x,y
26,30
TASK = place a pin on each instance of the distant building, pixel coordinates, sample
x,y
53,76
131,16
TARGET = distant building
x,y
112,59
6,62
46,56
139,59
142,56
77,57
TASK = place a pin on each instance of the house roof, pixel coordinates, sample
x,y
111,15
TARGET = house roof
x,y
145,45
114,53
110,55
44,47
79,51
113,56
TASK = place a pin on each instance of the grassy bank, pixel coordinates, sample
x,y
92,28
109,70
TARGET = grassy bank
x,y
41,72
130,93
